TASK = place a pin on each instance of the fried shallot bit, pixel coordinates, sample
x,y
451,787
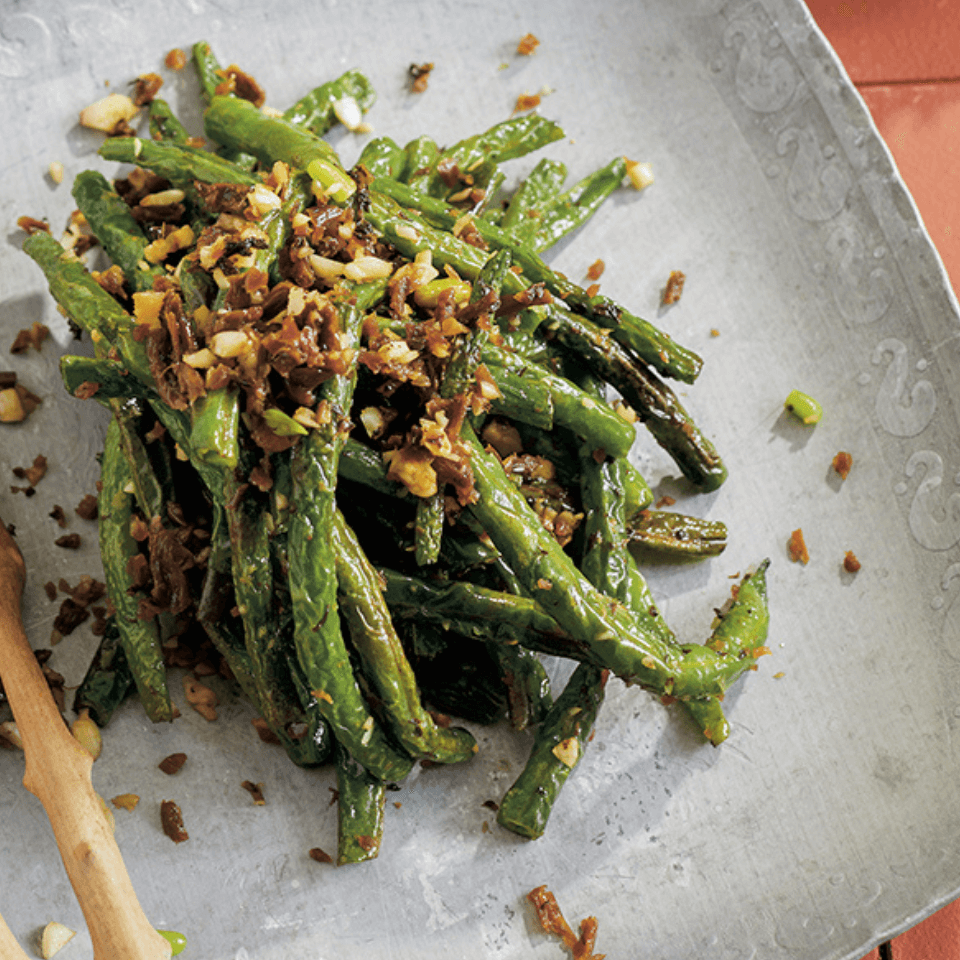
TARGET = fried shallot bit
x,y
125,801
146,87
176,59
526,101
201,698
69,541
321,856
88,508
595,270
57,513
527,45
553,922
797,548
32,474
32,337
171,819
419,76
264,732
850,562
238,82
172,764
32,225
843,463
255,790
674,288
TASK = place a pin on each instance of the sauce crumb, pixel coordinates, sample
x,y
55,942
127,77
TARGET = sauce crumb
x,y
527,45
553,921
797,548
842,463
419,76
674,288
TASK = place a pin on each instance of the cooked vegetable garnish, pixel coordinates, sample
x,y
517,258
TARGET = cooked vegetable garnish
x,y
361,455
803,407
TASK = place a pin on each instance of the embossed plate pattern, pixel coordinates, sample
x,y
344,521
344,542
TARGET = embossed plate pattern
x,y
830,818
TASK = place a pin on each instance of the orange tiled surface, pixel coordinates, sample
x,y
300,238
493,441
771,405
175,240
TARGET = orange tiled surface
x,y
904,57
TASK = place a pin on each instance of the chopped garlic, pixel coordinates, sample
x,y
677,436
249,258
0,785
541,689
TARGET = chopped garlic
x,y
348,112
55,171
105,114
640,174
368,268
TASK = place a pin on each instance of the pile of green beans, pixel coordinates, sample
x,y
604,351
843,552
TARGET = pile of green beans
x,y
341,601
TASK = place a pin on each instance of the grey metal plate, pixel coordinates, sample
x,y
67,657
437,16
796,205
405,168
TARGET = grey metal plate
x,y
830,818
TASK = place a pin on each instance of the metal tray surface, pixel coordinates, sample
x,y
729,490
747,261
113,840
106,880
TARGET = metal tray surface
x,y
830,818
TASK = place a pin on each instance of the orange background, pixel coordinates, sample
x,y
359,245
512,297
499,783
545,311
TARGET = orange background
x,y
904,57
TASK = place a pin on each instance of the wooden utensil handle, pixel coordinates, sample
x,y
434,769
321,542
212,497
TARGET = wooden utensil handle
x,y
58,774
9,948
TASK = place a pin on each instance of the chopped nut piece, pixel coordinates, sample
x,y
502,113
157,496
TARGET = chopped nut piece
x,y
527,45
674,288
796,547
567,751
171,819
419,76
11,409
843,463
55,171
172,764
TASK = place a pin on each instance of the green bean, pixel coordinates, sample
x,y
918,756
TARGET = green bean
x,y
528,688
208,69
420,155
116,228
315,111
558,746
589,418
381,157
110,377
638,335
240,125
212,76
384,664
361,798
164,124
215,427
108,679
655,404
677,535
181,165
535,193
504,141
140,639
428,533
87,303
572,208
